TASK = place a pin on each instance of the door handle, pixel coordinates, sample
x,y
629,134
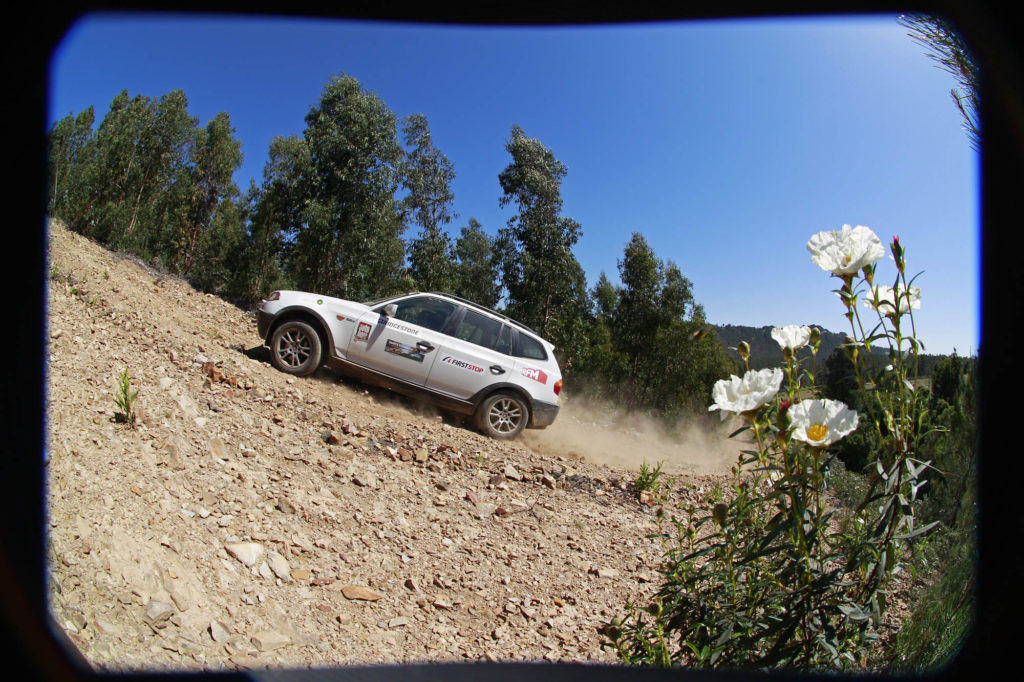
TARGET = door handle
x,y
497,369
424,346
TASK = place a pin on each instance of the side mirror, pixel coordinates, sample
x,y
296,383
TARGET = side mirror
x,y
390,309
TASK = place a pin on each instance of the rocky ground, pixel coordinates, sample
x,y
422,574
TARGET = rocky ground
x,y
251,519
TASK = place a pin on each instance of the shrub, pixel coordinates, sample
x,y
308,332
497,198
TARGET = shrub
x,y
767,577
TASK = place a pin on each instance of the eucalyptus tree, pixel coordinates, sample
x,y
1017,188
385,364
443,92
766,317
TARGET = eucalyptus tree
x,y
637,316
428,175
539,272
603,361
141,151
668,358
68,143
347,234
688,357
271,209
476,273
207,227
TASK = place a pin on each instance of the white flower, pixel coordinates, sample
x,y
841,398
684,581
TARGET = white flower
x,y
793,337
821,422
755,389
846,251
886,298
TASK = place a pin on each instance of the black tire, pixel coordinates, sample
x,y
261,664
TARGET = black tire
x,y
503,415
295,348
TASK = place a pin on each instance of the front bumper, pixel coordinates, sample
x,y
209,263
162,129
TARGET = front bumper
x,y
263,321
543,415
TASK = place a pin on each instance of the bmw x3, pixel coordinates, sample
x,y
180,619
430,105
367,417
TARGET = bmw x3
x,y
458,355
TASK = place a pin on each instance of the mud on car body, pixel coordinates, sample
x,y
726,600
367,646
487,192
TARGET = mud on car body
x,y
458,355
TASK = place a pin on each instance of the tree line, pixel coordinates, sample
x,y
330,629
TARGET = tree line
x,y
330,215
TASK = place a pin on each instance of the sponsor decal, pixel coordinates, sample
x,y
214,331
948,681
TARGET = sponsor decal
x,y
535,374
401,327
403,350
386,321
363,332
461,363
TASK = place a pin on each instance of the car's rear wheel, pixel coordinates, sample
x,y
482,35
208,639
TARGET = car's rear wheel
x,y
503,415
295,348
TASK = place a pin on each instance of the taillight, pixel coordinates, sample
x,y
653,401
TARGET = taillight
x,y
558,387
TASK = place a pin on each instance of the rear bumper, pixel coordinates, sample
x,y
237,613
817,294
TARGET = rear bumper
x,y
543,415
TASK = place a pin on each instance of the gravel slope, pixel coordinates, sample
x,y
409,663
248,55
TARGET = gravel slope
x,y
252,519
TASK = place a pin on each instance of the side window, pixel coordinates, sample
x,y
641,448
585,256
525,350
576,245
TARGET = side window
x,y
479,329
531,348
424,311
504,344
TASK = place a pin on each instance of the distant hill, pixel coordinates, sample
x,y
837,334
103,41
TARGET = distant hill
x,y
765,351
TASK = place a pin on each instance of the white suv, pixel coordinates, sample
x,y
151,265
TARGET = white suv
x,y
459,355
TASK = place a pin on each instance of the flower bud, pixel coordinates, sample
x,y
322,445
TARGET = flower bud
x,y
718,513
744,350
869,274
851,349
783,419
815,337
897,253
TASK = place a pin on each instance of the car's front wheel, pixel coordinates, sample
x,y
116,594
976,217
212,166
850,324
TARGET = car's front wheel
x,y
295,348
503,415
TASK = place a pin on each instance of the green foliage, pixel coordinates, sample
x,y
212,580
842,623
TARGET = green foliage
x,y
210,225
838,379
69,141
428,175
944,611
950,379
649,344
944,559
268,212
539,272
476,273
125,399
343,218
150,182
758,578
949,49
649,479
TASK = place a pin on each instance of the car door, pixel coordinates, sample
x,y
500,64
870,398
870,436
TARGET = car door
x,y
472,357
404,345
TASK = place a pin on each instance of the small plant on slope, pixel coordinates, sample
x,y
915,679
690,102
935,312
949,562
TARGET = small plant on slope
x,y
125,399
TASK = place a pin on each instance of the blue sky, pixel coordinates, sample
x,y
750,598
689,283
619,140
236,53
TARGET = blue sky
x,y
726,143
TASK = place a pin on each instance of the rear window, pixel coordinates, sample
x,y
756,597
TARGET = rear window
x,y
531,348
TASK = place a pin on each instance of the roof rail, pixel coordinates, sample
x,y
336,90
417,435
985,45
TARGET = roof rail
x,y
485,309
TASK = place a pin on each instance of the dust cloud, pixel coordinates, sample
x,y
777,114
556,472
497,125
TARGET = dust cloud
x,y
605,435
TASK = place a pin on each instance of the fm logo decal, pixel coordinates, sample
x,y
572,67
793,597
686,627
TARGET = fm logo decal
x,y
363,332
535,374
